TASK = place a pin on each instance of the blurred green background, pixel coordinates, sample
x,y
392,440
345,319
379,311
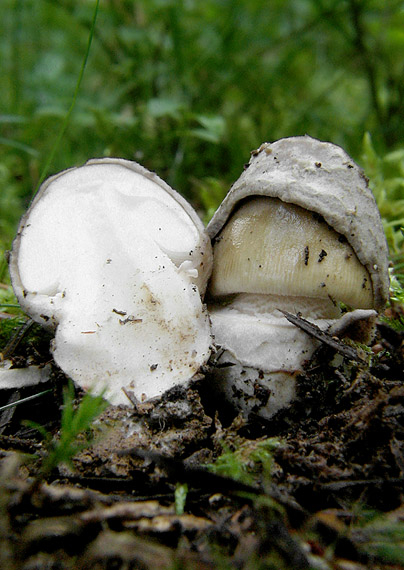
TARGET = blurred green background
x,y
188,88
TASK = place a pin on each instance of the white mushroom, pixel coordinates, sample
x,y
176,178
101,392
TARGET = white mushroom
x,y
116,262
299,231
14,378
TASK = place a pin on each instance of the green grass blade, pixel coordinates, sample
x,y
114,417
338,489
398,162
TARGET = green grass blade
x,y
24,400
73,103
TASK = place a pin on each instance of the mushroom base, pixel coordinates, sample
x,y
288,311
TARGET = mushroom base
x,y
260,353
252,391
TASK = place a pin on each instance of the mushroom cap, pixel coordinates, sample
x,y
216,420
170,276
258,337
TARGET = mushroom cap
x,y
112,258
322,178
200,255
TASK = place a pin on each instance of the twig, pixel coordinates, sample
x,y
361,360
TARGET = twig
x,y
16,339
323,336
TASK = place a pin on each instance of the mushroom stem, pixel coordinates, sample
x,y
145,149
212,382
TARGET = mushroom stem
x,y
261,352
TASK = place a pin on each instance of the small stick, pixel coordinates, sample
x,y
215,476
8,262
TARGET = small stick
x,y
16,339
323,336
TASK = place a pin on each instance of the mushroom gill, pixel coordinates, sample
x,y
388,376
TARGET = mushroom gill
x,y
272,247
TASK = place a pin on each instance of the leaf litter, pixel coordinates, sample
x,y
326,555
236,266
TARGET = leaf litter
x,y
318,486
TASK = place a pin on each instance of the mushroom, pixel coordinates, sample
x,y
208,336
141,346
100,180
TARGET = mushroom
x,y
116,262
300,232
15,378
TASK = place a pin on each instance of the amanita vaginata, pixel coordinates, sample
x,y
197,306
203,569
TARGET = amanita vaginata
x,y
298,231
116,262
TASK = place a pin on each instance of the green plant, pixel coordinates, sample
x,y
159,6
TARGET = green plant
x,y
378,537
8,302
230,464
396,288
211,193
242,463
382,540
386,175
75,433
180,497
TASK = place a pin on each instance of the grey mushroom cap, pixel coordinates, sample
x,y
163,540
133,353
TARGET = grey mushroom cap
x,y
320,177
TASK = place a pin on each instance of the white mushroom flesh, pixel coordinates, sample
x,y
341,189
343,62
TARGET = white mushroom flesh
x,y
15,378
260,336
112,260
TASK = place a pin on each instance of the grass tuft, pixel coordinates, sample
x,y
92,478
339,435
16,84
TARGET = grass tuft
x,y
75,433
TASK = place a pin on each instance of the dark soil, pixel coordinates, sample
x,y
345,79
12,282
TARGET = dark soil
x,y
330,496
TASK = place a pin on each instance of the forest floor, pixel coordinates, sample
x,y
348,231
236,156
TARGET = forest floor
x,y
181,483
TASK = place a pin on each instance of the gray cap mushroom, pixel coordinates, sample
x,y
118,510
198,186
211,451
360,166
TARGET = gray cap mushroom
x,y
116,262
299,231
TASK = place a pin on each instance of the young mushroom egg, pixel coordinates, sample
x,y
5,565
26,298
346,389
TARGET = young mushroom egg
x,y
300,232
116,262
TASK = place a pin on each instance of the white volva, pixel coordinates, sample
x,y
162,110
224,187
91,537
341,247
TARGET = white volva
x,y
116,261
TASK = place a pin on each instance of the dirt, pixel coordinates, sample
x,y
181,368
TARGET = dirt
x,y
318,486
